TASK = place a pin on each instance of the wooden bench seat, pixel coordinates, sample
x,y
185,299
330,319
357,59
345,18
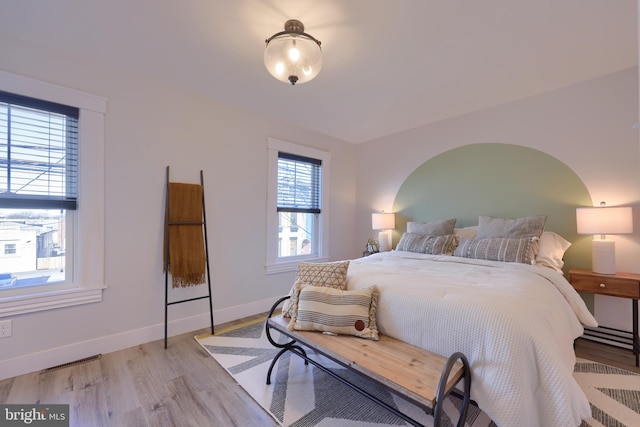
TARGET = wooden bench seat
x,y
419,375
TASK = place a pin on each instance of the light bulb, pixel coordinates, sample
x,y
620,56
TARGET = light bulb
x,y
294,54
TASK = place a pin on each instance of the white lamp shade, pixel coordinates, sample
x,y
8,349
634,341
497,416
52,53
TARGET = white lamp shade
x,y
604,220
383,221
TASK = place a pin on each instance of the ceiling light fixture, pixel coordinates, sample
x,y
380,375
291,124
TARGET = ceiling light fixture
x,y
293,56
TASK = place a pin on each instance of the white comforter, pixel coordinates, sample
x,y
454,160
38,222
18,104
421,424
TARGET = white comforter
x,y
514,322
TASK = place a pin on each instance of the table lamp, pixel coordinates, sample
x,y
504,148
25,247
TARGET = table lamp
x,y
384,222
602,221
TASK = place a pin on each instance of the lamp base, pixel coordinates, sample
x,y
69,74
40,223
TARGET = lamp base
x,y
384,239
603,256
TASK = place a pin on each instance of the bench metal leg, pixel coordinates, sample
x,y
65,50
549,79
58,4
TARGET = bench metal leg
x,y
284,347
442,394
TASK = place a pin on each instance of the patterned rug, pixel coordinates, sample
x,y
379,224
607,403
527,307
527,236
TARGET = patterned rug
x,y
303,396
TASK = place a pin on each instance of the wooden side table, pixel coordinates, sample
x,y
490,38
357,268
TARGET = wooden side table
x,y
622,285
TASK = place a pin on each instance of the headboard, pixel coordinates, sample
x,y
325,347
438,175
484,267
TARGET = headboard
x,y
500,180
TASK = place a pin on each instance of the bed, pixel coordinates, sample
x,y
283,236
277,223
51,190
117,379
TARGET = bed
x,y
511,312
495,293
515,323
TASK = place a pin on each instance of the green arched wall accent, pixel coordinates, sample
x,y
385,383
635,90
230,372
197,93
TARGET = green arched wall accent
x,y
500,180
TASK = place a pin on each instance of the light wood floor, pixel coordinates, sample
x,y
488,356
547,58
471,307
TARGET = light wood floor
x,y
144,385
147,385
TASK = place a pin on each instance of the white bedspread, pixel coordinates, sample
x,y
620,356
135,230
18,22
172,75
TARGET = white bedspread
x,y
514,322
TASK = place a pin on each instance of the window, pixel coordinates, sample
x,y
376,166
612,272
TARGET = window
x,y
53,248
38,186
297,205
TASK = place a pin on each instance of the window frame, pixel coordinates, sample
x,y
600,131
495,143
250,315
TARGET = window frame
x,y
275,264
86,280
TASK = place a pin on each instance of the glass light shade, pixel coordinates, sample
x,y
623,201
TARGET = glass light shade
x,y
604,220
383,221
293,57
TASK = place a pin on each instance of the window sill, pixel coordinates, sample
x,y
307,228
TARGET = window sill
x,y
287,266
22,304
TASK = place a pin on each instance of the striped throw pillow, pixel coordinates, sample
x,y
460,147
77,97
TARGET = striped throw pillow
x,y
346,312
500,249
426,244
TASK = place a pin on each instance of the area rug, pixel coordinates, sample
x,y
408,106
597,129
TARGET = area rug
x,y
302,396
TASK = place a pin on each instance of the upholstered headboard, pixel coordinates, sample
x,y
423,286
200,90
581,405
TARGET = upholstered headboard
x,y
499,180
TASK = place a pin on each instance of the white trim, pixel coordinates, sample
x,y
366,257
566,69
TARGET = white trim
x,y
272,265
56,356
86,280
26,86
21,304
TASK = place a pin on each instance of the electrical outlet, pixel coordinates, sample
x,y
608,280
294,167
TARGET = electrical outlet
x,y
5,328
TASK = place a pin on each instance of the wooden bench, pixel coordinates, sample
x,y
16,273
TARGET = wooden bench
x,y
418,375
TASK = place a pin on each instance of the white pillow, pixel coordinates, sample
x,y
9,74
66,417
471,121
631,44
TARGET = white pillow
x,y
552,249
466,232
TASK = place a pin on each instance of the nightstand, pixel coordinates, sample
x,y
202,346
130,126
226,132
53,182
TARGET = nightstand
x,y
622,285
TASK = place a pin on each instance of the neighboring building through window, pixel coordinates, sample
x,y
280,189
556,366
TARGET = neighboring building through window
x,y
296,217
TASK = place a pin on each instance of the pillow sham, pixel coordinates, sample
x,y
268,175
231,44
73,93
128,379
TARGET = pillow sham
x,y
552,249
346,312
466,232
502,249
425,244
530,226
329,274
432,228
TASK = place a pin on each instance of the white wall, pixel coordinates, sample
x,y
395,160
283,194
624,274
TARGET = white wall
x,y
587,126
149,126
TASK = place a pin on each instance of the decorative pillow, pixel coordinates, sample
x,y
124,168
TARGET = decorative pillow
x,y
351,312
432,228
530,226
552,249
503,249
466,232
330,274
425,244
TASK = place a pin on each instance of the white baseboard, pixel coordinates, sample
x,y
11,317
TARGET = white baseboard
x,y
57,356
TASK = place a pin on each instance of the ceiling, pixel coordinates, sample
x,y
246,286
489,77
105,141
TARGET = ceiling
x,y
388,65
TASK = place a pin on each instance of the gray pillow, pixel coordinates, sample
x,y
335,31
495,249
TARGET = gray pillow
x,y
425,244
523,250
432,228
515,228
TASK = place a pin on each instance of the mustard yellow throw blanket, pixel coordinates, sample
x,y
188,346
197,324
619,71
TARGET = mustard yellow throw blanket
x,y
187,257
